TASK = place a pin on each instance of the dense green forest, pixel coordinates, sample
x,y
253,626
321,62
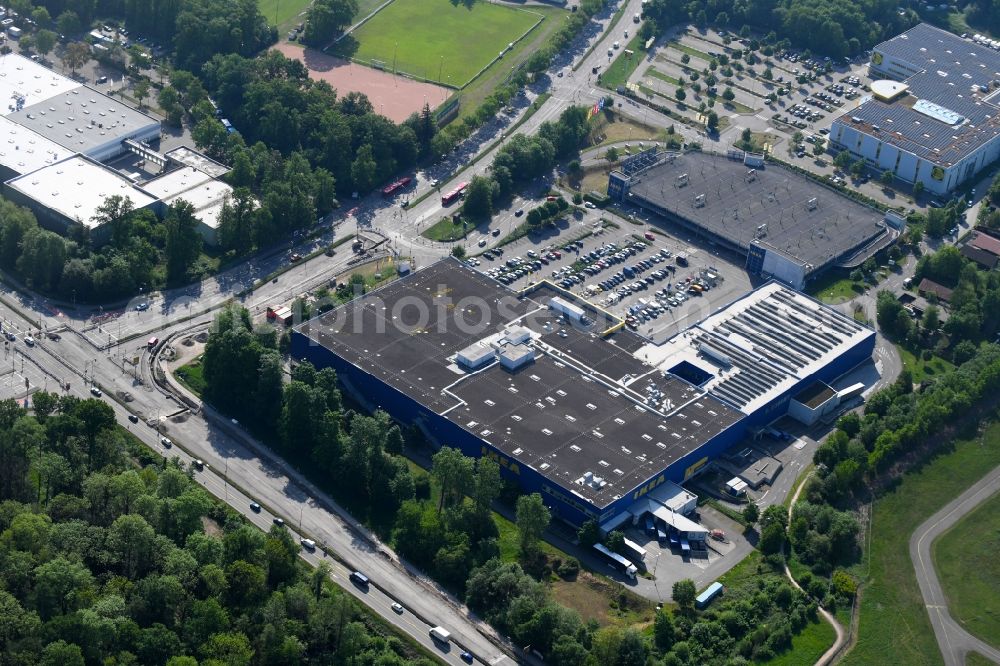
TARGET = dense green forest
x,y
110,555
830,27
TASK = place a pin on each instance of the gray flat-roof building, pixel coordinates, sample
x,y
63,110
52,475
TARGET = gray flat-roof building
x,y
85,121
942,126
70,191
584,412
787,226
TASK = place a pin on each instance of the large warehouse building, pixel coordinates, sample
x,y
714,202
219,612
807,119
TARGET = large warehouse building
x,y
598,420
787,226
934,117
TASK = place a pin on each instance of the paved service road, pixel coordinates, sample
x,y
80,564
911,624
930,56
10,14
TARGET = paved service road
x,y
954,641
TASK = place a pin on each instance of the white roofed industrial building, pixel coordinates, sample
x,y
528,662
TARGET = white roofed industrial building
x,y
934,117
86,121
23,151
70,191
206,194
24,82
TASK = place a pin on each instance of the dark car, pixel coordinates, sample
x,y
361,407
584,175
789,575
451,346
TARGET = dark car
x,y
133,418
255,507
466,657
279,522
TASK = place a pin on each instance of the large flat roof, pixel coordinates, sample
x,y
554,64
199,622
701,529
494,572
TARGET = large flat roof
x,y
30,81
199,189
24,151
720,196
756,348
81,119
77,186
950,109
192,158
586,403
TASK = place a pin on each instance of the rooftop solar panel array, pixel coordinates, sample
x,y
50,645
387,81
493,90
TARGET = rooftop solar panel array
x,y
953,73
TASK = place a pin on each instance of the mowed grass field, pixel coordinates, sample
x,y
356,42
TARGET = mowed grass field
x,y
894,627
437,40
285,10
966,560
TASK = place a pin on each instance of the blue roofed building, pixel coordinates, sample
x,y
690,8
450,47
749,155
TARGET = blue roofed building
x,y
933,114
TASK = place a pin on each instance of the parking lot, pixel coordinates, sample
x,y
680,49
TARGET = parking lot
x,y
657,283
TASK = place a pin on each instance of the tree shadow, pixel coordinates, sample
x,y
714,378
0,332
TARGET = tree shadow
x,y
345,47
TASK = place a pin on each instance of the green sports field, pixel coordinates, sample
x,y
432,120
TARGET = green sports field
x,y
437,40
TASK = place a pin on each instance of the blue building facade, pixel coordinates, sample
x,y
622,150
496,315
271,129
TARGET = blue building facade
x,y
565,503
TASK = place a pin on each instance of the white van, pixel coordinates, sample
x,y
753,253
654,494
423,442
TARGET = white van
x,y
440,634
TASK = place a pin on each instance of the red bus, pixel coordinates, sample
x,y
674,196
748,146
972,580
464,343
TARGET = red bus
x,y
454,194
395,187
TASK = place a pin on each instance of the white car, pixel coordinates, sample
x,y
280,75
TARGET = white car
x,y
95,391
30,341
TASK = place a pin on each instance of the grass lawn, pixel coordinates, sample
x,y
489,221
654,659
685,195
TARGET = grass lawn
x,y
191,376
735,106
895,628
624,64
473,95
922,369
595,179
446,231
596,598
694,53
437,40
807,647
976,659
971,546
619,128
285,10
832,290
657,74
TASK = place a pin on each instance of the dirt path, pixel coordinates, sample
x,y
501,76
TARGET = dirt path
x,y
827,656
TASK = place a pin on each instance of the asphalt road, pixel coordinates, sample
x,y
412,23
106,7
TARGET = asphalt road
x,y
954,641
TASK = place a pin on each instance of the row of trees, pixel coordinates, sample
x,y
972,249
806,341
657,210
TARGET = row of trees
x,y
244,378
898,422
106,560
523,158
142,251
835,27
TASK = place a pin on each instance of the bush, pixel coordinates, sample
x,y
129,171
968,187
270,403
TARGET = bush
x,y
422,486
569,569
